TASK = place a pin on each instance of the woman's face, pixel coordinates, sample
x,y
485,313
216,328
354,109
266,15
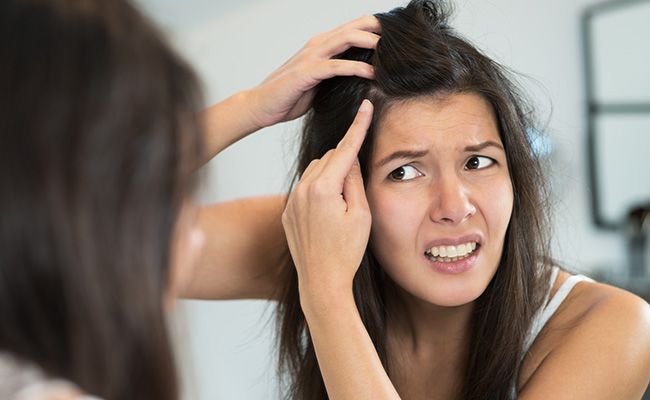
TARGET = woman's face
x,y
440,196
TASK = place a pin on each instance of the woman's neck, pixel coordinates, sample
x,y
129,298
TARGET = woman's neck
x,y
422,327
425,340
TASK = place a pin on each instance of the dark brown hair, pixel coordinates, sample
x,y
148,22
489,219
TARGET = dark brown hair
x,y
97,138
419,55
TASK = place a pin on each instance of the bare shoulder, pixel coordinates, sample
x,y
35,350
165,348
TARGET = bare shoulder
x,y
597,303
604,311
598,341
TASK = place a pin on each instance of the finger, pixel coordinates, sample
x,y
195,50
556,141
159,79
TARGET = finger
x,y
354,192
339,164
354,137
316,166
332,68
368,23
340,41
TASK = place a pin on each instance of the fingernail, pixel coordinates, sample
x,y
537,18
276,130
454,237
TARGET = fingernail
x,y
366,105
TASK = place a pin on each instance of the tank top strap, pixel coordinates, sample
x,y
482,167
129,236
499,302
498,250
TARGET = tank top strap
x,y
549,308
552,305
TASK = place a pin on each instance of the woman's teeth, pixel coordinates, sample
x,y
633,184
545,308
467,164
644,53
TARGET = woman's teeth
x,y
451,253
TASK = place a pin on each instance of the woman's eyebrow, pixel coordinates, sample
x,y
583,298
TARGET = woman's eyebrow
x,y
483,145
400,154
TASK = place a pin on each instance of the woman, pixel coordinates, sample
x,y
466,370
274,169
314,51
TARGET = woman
x,y
423,270
97,232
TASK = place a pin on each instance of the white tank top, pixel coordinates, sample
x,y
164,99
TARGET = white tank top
x,y
548,310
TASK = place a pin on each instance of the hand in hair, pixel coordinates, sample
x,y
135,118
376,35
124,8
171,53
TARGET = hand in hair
x,y
327,219
286,94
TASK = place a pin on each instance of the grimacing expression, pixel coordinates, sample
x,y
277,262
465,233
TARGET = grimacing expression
x,y
440,195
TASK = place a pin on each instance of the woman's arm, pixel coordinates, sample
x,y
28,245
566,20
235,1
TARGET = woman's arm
x,y
245,247
244,250
327,223
347,358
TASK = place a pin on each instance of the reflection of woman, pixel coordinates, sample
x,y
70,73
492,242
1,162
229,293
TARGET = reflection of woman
x,y
99,135
449,297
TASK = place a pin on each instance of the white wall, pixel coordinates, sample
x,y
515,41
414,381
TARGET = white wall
x,y
234,44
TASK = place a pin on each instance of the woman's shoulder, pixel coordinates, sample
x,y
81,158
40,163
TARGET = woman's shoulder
x,y
598,327
593,305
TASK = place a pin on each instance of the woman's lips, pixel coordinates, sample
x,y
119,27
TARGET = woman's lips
x,y
453,265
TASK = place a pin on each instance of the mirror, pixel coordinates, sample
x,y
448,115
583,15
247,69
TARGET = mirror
x,y
617,62
617,93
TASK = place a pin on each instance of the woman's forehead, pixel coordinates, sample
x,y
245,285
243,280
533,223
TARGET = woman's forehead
x,y
462,118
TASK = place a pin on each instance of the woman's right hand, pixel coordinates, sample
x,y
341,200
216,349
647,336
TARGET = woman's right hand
x,y
286,94
327,219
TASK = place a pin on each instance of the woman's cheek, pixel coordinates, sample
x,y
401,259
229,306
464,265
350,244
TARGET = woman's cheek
x,y
496,201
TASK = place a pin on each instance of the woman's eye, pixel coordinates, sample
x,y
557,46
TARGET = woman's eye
x,y
479,162
404,173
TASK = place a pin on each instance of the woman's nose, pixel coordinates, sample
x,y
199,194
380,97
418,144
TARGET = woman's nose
x,y
450,201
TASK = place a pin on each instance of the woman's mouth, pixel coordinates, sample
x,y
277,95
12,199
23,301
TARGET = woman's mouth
x,y
452,253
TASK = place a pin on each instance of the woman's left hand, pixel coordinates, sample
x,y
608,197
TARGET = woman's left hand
x,y
286,94
327,219
327,223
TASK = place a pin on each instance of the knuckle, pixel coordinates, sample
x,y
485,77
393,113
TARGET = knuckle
x,y
299,193
363,20
341,67
346,37
315,41
328,155
312,163
352,37
336,66
368,19
319,188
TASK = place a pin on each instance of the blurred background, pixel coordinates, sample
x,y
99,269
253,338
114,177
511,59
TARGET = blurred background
x,y
584,63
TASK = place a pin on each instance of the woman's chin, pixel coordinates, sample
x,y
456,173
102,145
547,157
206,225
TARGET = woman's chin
x,y
456,299
449,294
